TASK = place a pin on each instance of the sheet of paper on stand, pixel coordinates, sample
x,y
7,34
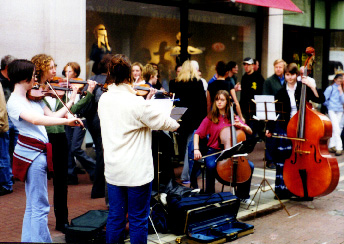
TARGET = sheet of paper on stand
x,y
177,112
265,107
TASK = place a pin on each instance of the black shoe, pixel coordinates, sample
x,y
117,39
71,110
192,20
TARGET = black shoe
x,y
94,196
79,171
62,228
72,180
4,191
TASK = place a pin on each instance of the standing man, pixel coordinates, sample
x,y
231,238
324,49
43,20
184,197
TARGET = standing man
x,y
275,82
271,86
9,140
5,163
251,84
255,65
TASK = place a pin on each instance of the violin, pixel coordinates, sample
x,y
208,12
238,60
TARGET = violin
x,y
236,169
78,82
310,171
144,89
38,92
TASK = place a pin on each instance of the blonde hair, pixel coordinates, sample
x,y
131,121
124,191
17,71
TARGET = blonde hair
x,y
187,73
277,61
149,71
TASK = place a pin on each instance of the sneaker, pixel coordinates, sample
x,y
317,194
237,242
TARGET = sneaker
x,y
4,191
332,150
338,153
247,202
271,165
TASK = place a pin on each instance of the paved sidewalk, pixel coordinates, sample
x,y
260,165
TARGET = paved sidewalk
x,y
322,224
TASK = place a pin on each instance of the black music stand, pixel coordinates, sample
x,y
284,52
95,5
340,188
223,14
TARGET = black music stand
x,y
265,111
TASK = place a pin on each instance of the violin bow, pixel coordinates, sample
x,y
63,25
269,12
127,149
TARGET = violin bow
x,y
67,85
76,122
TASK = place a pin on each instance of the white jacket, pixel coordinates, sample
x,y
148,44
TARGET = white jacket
x,y
126,122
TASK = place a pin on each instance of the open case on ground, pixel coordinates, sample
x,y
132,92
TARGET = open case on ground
x,y
216,223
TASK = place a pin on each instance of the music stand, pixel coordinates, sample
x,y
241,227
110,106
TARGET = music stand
x,y
265,111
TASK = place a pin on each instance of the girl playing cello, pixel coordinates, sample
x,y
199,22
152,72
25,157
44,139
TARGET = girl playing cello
x,y
212,126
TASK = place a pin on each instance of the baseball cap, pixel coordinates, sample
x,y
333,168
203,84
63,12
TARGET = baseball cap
x,y
248,61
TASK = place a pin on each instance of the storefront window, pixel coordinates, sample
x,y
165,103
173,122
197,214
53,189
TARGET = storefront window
x,y
336,53
337,17
299,19
149,33
320,13
221,37
144,32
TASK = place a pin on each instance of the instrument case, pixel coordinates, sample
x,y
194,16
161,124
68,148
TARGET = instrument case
x,y
179,206
88,228
216,223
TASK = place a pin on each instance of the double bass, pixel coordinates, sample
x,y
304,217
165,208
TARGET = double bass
x,y
310,171
236,169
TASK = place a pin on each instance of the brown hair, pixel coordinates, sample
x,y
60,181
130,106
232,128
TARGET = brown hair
x,y
75,67
119,69
215,113
292,68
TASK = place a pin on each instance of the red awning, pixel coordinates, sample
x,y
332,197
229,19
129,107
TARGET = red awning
x,y
280,4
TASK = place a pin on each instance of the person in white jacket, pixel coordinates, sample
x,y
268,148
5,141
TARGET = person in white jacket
x,y
126,122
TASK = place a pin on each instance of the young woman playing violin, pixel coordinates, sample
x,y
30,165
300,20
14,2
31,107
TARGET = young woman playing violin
x,y
289,98
212,127
31,156
136,73
127,133
45,71
75,135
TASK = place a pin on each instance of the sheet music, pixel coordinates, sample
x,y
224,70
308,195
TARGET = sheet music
x,y
177,112
260,107
165,106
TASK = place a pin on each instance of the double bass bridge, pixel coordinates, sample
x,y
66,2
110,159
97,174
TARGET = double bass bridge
x,y
302,152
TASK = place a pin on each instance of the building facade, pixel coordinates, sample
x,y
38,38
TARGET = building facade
x,y
149,31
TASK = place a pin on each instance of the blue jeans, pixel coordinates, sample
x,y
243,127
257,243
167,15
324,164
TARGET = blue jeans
x,y
35,223
5,162
132,200
210,170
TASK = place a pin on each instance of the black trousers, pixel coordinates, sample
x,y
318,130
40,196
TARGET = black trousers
x,y
60,160
98,189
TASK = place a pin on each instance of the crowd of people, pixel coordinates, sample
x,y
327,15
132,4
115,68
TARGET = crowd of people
x,y
34,132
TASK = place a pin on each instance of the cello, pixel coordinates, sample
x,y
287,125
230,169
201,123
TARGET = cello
x,y
310,171
236,169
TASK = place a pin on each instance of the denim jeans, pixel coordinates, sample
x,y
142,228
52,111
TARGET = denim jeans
x,y
35,223
136,202
210,170
5,162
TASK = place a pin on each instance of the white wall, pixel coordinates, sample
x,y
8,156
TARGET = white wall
x,y
272,40
53,27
